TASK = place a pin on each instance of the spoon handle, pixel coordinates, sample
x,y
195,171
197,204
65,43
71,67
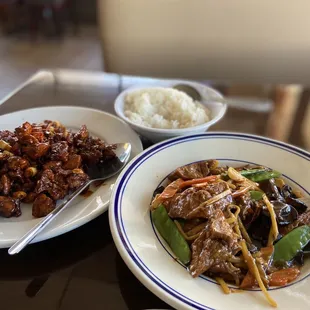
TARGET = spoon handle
x,y
249,104
33,232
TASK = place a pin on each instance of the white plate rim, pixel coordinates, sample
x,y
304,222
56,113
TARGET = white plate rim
x,y
47,234
142,272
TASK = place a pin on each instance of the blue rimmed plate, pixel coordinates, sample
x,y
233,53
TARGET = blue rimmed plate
x,y
148,256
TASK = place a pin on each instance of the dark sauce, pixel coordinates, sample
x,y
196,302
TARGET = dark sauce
x,y
87,193
98,183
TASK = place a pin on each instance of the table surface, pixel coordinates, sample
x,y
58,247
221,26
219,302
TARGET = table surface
x,y
82,269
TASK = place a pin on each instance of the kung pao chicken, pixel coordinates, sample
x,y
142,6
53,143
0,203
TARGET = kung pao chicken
x,y
42,163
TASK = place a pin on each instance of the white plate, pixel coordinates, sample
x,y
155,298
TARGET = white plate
x,y
100,124
148,256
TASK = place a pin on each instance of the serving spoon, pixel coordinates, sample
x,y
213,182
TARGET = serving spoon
x,y
250,104
95,173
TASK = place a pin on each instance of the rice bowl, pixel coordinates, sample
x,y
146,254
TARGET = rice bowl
x,y
216,110
164,108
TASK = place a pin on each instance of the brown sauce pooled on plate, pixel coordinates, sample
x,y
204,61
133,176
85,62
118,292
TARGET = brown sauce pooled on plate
x,y
87,193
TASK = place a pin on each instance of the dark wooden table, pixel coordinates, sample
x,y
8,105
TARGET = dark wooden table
x,y
82,269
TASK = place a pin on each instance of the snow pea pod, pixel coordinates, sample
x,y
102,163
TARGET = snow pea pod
x,y
264,175
252,171
245,173
169,231
291,244
256,195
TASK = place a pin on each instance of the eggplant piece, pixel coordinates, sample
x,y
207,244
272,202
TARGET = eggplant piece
x,y
271,190
287,191
300,206
306,249
291,199
249,210
285,213
259,229
299,259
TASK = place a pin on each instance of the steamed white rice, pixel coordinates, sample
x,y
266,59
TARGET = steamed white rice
x,y
164,108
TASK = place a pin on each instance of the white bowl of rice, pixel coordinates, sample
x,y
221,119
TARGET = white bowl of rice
x,y
160,112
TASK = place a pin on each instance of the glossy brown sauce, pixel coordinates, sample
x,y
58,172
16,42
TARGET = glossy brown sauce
x,y
87,193
98,183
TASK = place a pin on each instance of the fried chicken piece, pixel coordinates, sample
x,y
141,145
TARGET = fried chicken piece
x,y
59,151
17,162
5,184
9,207
36,151
76,180
74,161
42,206
53,184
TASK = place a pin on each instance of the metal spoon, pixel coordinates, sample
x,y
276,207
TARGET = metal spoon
x,y
96,173
250,104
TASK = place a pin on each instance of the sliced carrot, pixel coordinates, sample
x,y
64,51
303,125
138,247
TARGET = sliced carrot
x,y
278,282
267,253
248,281
168,192
210,178
284,276
171,189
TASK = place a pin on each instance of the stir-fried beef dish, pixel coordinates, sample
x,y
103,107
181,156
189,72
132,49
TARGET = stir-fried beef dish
x,y
42,163
244,226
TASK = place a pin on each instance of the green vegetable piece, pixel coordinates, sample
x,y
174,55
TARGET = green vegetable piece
x,y
264,175
292,243
169,231
256,195
252,171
